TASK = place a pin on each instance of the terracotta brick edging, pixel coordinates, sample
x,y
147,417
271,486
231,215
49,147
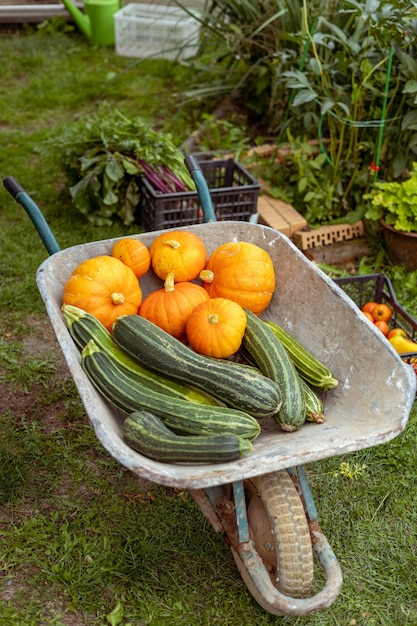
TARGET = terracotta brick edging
x,y
327,235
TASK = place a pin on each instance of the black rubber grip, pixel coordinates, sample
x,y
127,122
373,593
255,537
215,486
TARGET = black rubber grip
x,y
192,164
13,186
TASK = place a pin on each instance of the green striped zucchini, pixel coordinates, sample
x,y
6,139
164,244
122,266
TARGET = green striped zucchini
x,y
236,385
309,367
314,404
273,360
83,326
146,433
181,416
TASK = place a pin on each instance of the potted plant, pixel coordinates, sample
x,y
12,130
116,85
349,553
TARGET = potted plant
x,y
394,205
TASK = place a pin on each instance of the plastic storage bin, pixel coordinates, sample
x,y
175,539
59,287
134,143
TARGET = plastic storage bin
x,y
234,194
157,31
378,288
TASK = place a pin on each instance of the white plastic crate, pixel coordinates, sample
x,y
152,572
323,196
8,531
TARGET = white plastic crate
x,y
157,31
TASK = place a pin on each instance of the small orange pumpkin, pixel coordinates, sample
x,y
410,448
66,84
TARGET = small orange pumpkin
x,y
170,307
242,272
104,287
178,251
133,253
216,327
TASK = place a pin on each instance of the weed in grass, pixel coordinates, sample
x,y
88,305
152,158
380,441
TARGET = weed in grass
x,y
13,470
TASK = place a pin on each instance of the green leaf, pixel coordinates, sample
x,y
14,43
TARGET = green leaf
x,y
302,184
113,170
410,86
304,96
115,617
409,120
131,168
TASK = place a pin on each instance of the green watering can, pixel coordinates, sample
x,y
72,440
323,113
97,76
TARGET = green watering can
x,y
97,22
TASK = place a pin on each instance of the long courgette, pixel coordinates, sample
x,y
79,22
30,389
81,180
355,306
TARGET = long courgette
x,y
314,404
308,366
146,433
179,415
237,386
273,360
84,326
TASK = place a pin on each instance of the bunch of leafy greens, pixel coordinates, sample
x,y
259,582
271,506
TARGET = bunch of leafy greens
x,y
105,155
395,202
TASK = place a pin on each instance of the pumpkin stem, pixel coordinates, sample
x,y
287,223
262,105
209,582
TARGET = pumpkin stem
x,y
173,243
207,276
213,318
117,298
169,282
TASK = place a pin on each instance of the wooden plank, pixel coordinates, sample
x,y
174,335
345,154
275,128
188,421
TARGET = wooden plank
x,y
292,216
269,216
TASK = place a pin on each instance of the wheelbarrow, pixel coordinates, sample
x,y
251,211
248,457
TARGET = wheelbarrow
x,y
261,504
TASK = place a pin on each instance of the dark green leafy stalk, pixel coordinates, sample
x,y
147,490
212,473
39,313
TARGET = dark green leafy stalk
x,y
103,157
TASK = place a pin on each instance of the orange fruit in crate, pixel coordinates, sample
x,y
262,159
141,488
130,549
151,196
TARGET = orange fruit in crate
x,y
382,312
397,332
368,306
383,326
369,316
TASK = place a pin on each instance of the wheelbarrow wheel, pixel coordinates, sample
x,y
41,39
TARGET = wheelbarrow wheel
x,y
279,529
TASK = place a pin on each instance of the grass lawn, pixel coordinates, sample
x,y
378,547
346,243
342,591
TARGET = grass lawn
x,y
82,541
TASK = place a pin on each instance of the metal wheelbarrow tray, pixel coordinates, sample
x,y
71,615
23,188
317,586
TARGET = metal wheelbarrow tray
x,y
370,405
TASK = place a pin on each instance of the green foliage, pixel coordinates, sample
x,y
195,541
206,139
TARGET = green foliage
x,y
103,156
220,135
302,176
341,74
395,202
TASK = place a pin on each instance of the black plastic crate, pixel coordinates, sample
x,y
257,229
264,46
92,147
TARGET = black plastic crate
x,y
378,288
234,194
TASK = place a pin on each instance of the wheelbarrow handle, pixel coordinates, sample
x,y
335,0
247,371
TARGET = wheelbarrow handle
x,y
35,214
202,188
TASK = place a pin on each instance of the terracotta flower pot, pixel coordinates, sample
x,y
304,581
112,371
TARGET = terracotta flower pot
x,y
401,246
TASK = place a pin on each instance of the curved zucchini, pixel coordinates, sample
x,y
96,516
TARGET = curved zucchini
x,y
273,360
84,326
237,386
179,415
146,433
314,405
311,369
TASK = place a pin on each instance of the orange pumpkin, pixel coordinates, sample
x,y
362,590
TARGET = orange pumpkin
x,y
216,327
133,253
178,251
242,272
170,307
104,287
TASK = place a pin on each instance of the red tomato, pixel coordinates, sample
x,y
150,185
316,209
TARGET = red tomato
x,y
383,326
368,306
382,312
369,316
